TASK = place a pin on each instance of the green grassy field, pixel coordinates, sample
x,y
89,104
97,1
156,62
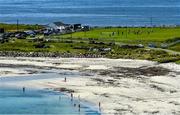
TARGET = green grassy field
x,y
128,35
24,45
21,27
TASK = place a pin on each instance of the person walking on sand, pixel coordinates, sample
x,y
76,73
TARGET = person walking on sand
x,y
100,106
65,79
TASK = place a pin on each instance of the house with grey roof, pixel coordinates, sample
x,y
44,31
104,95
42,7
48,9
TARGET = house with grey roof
x,y
60,26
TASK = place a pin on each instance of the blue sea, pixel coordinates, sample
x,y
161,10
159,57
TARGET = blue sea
x,y
92,12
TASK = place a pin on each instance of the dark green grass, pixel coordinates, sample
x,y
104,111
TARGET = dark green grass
x,y
83,48
21,27
175,47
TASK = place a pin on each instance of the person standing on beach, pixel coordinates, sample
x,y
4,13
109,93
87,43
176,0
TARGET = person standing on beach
x,y
71,97
24,89
79,106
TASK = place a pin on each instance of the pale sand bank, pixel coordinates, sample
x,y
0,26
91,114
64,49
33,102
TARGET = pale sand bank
x,y
122,86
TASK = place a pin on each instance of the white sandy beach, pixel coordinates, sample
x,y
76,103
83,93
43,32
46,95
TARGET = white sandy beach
x,y
122,86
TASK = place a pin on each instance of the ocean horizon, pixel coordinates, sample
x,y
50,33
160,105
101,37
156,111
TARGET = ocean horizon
x,y
88,12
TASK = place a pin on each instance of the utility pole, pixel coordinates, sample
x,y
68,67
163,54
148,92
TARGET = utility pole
x,y
151,21
85,33
17,25
126,31
71,34
126,28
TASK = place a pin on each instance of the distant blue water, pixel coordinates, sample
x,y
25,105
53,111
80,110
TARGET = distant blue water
x,y
14,101
92,12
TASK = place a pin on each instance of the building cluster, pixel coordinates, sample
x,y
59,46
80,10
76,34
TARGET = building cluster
x,y
62,28
49,29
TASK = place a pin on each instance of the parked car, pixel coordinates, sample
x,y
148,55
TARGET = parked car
x,y
151,45
20,35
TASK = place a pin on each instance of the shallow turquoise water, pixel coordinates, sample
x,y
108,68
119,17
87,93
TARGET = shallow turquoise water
x,y
14,101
